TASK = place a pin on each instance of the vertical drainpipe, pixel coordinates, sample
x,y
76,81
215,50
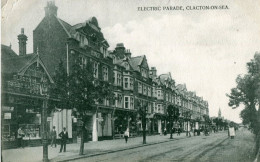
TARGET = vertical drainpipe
x,y
67,48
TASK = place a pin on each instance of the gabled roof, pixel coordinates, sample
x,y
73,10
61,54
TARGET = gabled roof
x,y
181,87
165,77
66,26
135,62
21,63
14,64
7,52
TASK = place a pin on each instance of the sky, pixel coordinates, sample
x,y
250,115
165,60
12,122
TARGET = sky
x,y
205,49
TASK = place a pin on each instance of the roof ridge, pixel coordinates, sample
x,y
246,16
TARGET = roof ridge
x,y
59,20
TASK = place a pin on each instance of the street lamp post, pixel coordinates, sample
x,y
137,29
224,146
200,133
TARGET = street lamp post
x,y
187,117
144,123
44,91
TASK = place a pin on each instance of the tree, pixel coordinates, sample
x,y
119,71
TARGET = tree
x,y
59,89
173,115
247,93
142,111
81,91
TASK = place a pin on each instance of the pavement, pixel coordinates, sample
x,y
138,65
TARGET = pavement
x,y
34,154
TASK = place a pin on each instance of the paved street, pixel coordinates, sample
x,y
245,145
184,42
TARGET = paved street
x,y
216,147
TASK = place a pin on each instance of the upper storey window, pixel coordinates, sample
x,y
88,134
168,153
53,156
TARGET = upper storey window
x,y
105,73
139,87
126,66
95,69
144,73
82,40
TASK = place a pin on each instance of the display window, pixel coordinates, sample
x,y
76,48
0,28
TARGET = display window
x,y
8,132
31,131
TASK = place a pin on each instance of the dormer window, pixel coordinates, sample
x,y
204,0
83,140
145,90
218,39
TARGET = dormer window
x,y
126,66
144,73
82,40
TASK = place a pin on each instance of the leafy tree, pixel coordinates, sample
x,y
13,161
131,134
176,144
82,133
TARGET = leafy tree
x,y
173,115
218,122
81,91
59,89
247,92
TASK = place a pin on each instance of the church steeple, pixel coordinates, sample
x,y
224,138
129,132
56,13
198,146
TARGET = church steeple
x,y
219,113
51,9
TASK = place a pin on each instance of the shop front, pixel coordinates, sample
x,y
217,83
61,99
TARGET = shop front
x,y
21,112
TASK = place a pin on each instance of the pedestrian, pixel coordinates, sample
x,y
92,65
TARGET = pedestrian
x,y
64,136
179,131
53,136
20,135
126,135
165,132
232,132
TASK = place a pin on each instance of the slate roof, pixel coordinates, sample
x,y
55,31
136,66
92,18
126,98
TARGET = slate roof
x,y
14,64
67,26
7,52
135,62
164,77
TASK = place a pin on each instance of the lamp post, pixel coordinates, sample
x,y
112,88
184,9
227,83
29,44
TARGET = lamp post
x,y
187,117
44,91
143,113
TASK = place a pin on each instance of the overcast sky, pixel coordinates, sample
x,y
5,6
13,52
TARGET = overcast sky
x,y
204,49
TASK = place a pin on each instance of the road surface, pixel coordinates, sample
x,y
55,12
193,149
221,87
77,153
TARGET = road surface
x,y
214,148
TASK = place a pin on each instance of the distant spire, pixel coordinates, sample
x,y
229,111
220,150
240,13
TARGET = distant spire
x,y
219,113
10,45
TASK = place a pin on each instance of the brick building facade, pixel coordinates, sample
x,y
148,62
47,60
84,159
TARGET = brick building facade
x,y
135,84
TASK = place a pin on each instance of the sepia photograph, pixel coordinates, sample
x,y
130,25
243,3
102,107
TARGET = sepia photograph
x,y
133,81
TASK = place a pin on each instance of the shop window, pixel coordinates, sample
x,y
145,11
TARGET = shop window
x,y
31,131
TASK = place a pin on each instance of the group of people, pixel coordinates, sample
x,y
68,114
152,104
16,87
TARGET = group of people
x,y
53,135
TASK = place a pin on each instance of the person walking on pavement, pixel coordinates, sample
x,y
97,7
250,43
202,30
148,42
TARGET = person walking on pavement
x,y
179,131
53,136
165,132
126,135
20,135
64,136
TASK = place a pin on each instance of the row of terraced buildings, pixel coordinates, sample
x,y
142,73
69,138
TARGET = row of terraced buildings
x,y
132,78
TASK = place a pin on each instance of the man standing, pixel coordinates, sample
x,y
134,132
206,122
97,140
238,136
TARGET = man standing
x,y
20,135
64,136
126,135
53,136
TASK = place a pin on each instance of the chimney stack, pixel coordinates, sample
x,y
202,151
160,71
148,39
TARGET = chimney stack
x,y
153,72
22,38
51,9
120,50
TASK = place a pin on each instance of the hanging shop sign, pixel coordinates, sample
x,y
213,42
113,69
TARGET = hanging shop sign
x,y
7,108
49,119
7,115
